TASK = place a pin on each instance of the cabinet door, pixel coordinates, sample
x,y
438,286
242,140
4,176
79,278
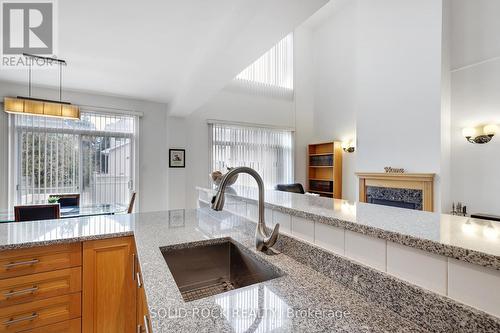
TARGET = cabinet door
x,y
143,324
109,286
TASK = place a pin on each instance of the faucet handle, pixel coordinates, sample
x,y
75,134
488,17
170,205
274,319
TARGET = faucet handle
x,y
264,242
271,240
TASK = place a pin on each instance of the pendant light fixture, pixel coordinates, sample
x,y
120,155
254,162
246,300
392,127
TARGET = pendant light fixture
x,y
42,107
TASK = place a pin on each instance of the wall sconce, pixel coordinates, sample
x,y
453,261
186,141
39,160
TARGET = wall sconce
x,y
488,132
348,146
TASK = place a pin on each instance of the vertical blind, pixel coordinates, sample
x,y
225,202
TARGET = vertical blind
x,y
253,301
92,156
272,70
267,150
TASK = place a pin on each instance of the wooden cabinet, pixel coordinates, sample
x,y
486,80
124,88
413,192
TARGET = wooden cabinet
x,y
143,319
40,289
109,286
91,287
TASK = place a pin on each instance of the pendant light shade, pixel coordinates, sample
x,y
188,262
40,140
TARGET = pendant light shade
x,y
37,107
42,107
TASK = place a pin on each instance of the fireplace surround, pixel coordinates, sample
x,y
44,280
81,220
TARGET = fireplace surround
x,y
405,190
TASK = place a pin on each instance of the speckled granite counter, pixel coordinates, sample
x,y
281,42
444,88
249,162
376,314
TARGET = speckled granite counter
x,y
39,233
302,300
469,240
313,295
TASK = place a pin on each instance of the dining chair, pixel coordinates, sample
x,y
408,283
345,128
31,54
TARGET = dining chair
x,y
67,200
294,188
37,212
131,204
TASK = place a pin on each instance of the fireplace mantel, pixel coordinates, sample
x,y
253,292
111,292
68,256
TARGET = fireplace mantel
x,y
414,181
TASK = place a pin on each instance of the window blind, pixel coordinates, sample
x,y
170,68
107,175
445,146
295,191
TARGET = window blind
x,y
269,151
92,156
272,71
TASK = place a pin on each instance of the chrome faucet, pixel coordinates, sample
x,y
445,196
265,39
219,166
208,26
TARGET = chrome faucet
x,y
263,242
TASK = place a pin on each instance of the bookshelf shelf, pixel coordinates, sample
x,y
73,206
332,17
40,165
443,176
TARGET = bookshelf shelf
x,y
325,169
324,154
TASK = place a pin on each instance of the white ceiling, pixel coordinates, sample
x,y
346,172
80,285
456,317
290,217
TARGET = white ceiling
x,y
470,19
323,15
176,52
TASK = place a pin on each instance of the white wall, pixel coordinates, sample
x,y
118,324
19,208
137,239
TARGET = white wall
x,y
304,101
382,70
334,54
177,139
445,172
475,101
399,85
152,189
377,79
229,106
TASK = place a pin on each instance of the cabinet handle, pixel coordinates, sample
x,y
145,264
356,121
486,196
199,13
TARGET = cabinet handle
x,y
21,263
146,323
20,292
18,320
139,280
133,266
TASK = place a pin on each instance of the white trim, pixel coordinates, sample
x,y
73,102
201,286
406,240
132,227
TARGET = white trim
x,y
136,157
12,162
245,124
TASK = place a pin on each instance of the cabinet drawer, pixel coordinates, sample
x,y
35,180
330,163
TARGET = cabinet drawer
x,y
40,313
39,259
70,326
38,286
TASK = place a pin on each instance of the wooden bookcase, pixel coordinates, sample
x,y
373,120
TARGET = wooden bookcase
x,y
324,169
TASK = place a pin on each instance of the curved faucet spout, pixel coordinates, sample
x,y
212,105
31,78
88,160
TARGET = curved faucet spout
x,y
263,241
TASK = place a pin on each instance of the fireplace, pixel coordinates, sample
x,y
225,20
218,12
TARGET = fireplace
x,y
404,190
395,197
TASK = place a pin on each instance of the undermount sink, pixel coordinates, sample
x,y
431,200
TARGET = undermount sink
x,y
208,268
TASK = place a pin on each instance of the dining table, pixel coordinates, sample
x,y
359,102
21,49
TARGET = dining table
x,y
74,211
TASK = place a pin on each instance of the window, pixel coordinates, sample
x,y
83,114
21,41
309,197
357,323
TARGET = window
x,y
92,156
267,150
272,70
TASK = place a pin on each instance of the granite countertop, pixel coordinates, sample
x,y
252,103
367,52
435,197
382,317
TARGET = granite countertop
x,y
47,232
471,240
302,300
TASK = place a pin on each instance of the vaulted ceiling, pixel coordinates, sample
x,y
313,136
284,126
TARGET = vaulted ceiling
x,y
176,52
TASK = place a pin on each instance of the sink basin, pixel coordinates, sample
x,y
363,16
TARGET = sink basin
x,y
208,268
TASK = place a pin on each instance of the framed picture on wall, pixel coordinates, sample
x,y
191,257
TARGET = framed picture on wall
x,y
177,158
